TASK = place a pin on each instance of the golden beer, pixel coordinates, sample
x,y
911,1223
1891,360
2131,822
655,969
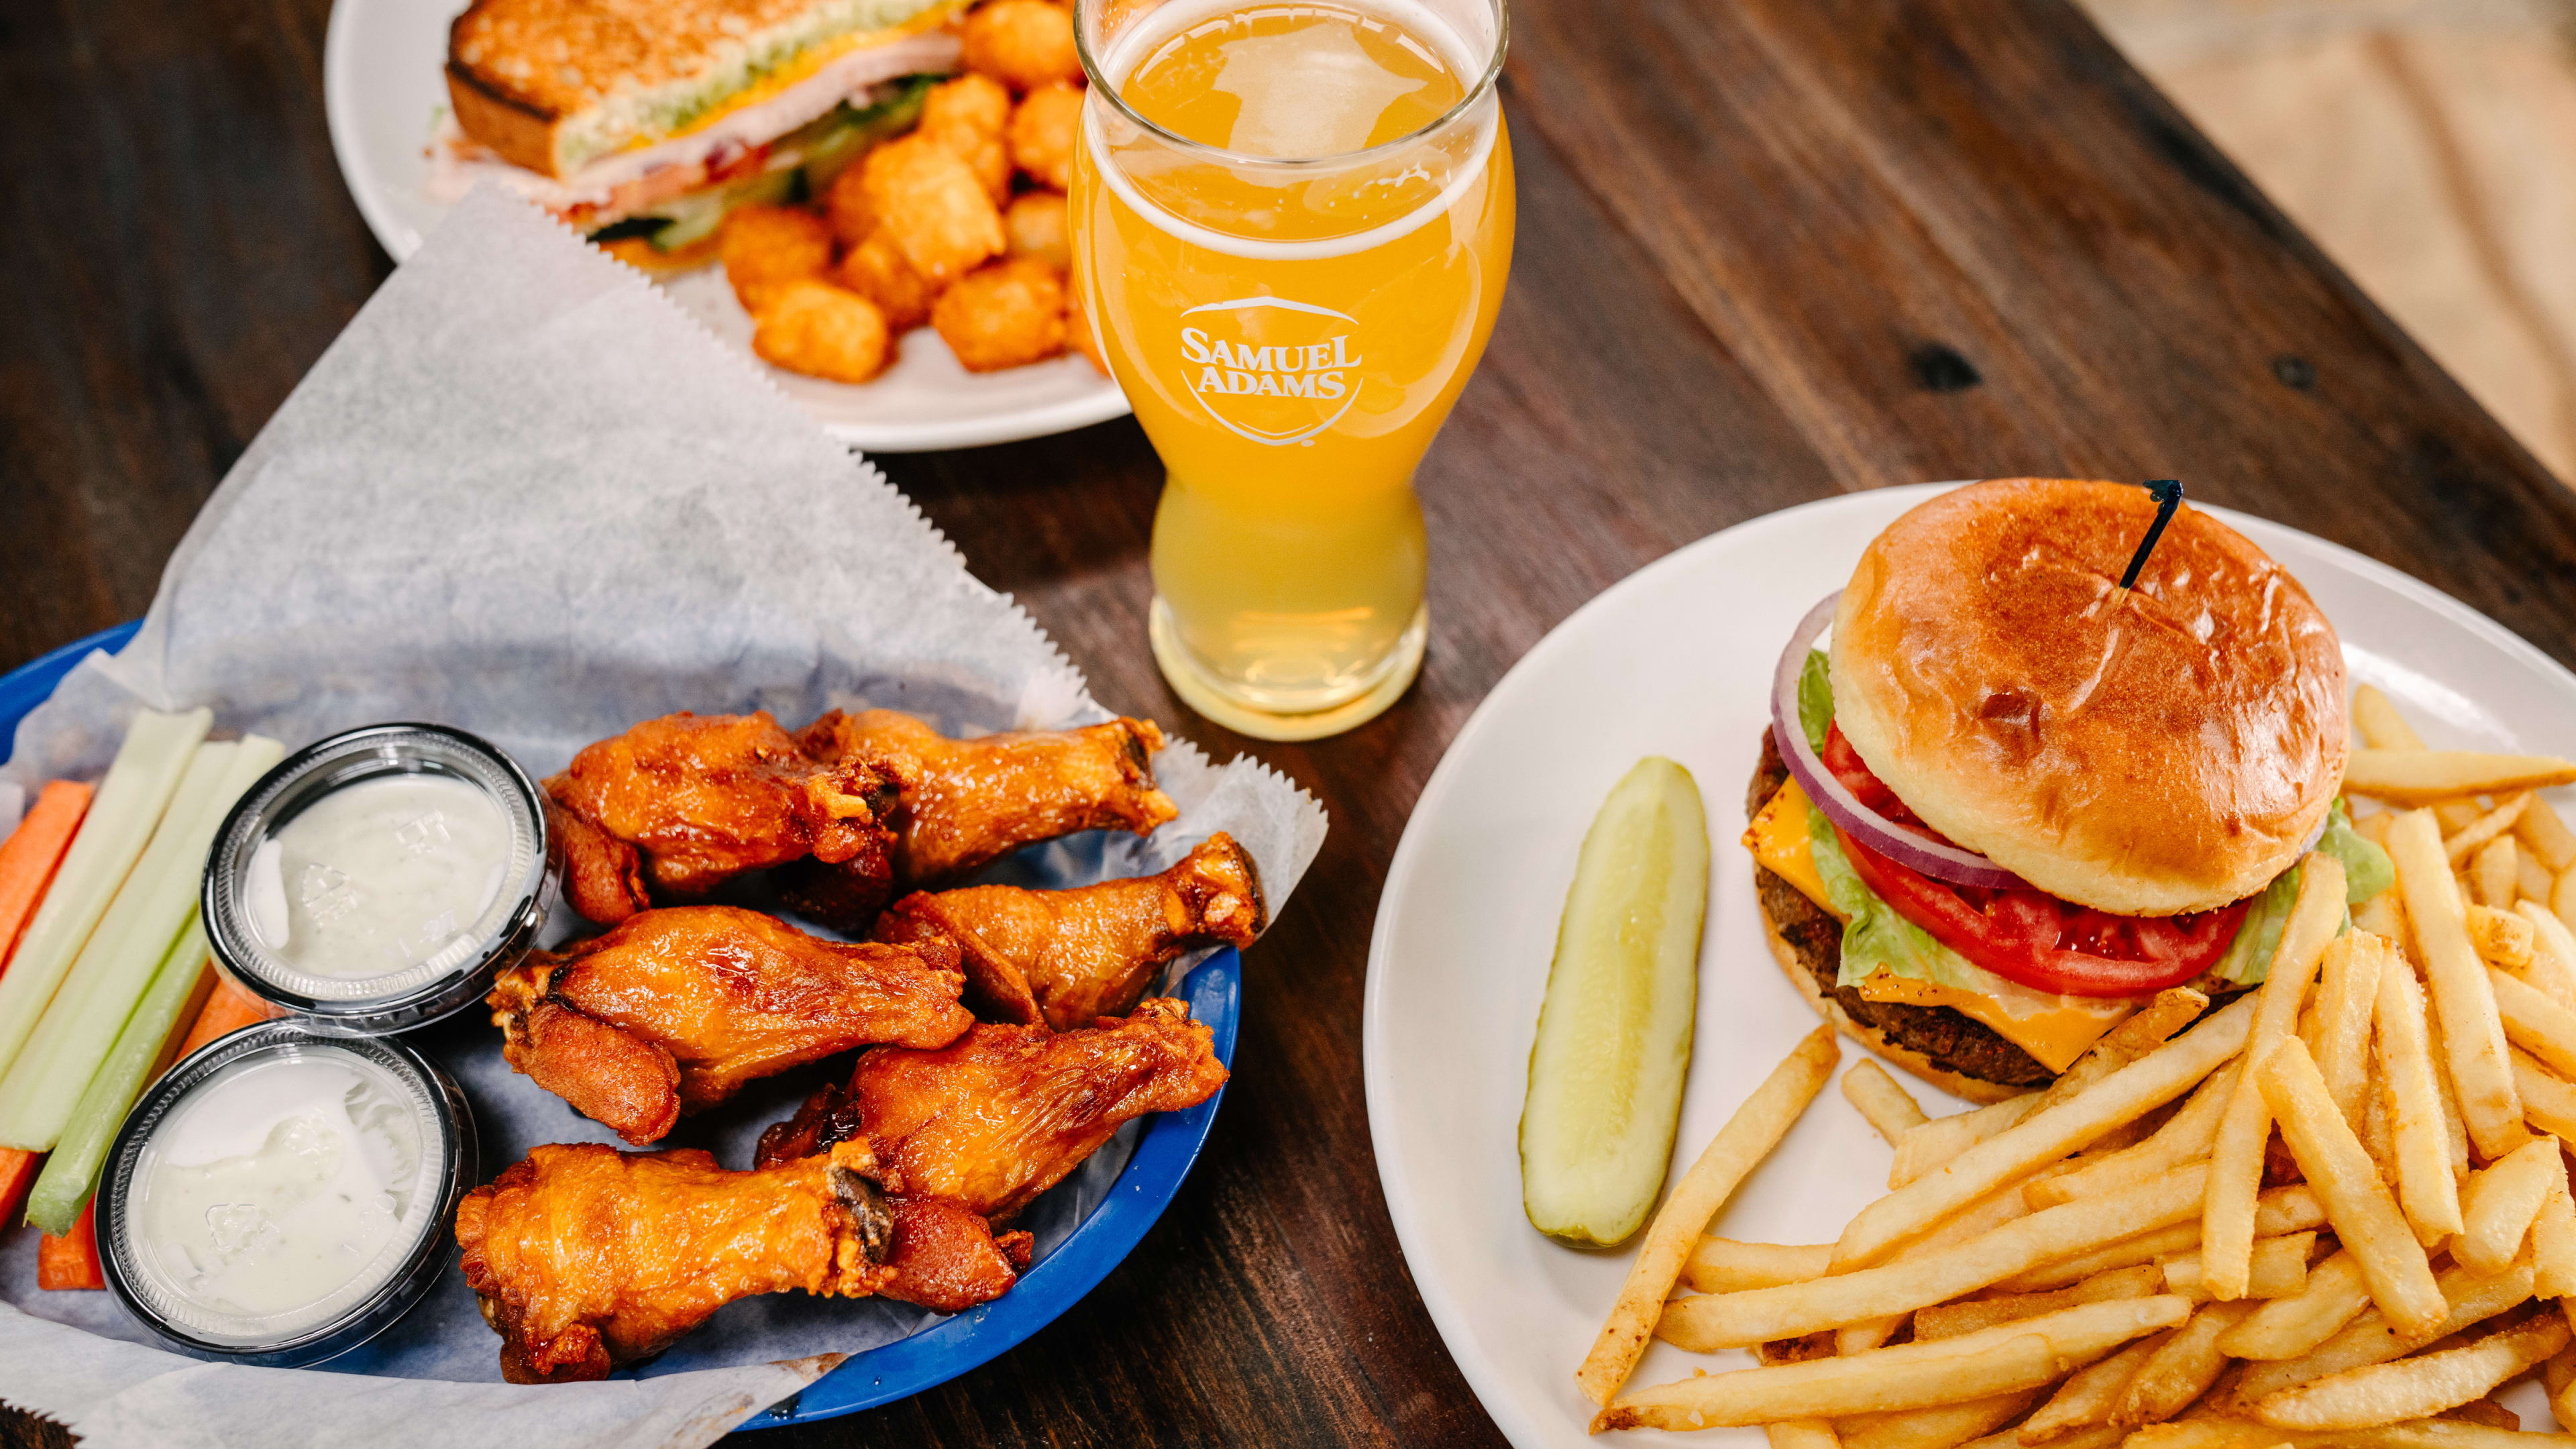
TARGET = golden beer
x,y
1291,228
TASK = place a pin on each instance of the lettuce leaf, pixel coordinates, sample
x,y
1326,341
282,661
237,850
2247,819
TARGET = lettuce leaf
x,y
2367,870
1815,700
1876,938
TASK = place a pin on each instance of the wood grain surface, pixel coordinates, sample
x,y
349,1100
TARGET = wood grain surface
x,y
1769,250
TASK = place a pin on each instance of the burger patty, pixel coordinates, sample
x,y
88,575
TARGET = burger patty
x,y
1953,1042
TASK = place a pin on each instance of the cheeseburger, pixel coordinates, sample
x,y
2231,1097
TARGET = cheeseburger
x,y
2011,800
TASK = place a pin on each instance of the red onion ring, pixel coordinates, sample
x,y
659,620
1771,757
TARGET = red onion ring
x,y
1941,862
1905,847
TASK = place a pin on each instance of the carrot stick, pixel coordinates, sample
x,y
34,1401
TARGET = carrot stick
x,y
17,1169
33,851
229,1009
71,1261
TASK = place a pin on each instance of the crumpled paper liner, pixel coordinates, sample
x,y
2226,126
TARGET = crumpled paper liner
x,y
523,494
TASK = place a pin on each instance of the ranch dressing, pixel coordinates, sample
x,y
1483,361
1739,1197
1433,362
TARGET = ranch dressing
x,y
379,875
279,1194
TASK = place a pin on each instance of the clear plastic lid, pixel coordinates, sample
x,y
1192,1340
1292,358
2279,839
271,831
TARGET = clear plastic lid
x,y
377,880
283,1195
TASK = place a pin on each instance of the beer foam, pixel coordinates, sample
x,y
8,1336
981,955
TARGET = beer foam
x,y
1270,113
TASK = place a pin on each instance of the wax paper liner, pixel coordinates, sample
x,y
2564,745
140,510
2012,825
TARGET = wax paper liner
x,y
525,495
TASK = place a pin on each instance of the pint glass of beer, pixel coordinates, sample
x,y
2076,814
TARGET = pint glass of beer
x,y
1291,225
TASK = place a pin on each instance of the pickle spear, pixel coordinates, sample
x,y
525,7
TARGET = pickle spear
x,y
1614,1034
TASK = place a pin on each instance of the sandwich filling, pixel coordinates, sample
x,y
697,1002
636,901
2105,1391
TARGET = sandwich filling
x,y
2047,974
774,143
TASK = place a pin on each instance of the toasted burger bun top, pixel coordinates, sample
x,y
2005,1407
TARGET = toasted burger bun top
x,y
2154,753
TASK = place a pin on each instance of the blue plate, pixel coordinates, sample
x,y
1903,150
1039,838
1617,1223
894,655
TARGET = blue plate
x,y
942,1352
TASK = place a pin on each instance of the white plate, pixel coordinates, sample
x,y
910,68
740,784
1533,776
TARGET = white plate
x,y
1676,660
383,90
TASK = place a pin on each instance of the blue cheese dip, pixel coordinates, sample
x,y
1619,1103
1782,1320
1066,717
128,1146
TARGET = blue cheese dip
x,y
378,875
279,1195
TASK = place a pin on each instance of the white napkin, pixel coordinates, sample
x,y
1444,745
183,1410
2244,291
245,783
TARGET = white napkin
x,y
525,495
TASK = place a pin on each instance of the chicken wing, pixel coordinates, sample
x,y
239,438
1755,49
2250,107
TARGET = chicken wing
x,y
967,802
1001,1115
587,1259
674,1009
1070,957
684,803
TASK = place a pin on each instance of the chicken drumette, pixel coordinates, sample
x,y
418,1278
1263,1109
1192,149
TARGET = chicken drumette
x,y
674,1009
1002,1114
676,806
586,1259
1069,957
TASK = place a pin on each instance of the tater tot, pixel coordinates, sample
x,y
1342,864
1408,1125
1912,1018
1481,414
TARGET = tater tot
x,y
876,270
1077,330
1042,132
1022,43
846,205
1037,224
970,102
1003,315
931,202
822,331
766,247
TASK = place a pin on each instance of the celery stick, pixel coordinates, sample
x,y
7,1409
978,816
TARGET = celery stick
x,y
37,1095
129,803
71,1171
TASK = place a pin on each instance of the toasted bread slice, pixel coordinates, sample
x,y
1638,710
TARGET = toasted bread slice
x,y
552,85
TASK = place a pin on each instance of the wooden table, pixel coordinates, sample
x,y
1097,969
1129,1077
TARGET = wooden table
x,y
1769,250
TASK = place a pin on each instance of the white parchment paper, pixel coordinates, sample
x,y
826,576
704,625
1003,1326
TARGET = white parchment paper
x,y
524,495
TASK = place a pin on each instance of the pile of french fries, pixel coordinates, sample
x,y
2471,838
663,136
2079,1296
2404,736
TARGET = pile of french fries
x,y
2333,1211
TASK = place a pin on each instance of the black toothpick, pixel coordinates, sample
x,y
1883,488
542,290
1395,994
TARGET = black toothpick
x,y
2168,495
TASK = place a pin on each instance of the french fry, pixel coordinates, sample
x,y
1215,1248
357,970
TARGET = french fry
x,y
1937,1141
2471,1032
2347,994
2534,1021
1739,1147
2384,915
2380,725
2417,777
2216,1433
2181,1369
2493,872
1949,1320
2547,836
2501,938
2008,1359
2335,1295
2417,1387
2553,1243
2419,1138
2553,953
1723,1265
1854,1338
2485,1412
2099,1436
2455,1135
2475,836
1888,1107
2290,1209
2548,1100
2365,1217
1920,1279
2562,896
2455,814
2473,1298
2499,1204
2558,1376
1946,1427
2236,1158
2089,1395
2278,1269
2185,1137
2531,879
1802,1434
2121,1097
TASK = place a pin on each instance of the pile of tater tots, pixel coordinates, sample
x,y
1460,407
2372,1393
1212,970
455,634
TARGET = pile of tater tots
x,y
960,223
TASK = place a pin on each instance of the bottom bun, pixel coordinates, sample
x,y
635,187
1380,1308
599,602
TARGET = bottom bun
x,y
1974,1089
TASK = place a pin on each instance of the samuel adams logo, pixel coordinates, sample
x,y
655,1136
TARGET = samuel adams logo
x,y
1269,369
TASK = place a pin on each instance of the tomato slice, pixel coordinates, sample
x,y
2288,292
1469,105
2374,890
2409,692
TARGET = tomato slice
x,y
2047,944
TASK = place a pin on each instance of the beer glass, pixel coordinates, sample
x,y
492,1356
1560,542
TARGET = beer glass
x,y
1291,225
